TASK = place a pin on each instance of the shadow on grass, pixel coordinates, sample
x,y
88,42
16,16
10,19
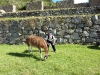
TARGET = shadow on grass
x,y
94,47
19,54
25,55
27,51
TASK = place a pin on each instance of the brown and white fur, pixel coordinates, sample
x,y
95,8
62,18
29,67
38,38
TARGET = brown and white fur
x,y
38,42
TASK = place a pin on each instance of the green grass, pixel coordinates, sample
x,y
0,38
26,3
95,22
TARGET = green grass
x,y
70,59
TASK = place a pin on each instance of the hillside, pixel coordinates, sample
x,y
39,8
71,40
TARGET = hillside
x,y
20,4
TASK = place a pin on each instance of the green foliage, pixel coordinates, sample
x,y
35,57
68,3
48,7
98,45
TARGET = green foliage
x,y
70,59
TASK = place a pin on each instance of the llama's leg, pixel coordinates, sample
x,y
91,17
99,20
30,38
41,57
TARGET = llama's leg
x,y
48,45
30,49
40,52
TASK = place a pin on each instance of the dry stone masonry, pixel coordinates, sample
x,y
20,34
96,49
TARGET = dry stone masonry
x,y
35,5
69,25
65,4
54,12
39,5
8,8
94,2
78,29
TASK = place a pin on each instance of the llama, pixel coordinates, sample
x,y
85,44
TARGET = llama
x,y
38,42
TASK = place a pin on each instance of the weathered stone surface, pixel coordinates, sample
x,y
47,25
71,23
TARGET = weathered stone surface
x,y
70,31
97,22
54,31
78,30
76,20
89,23
93,34
60,40
8,8
61,33
75,36
71,26
76,41
41,33
35,5
62,11
68,20
70,40
67,36
85,33
66,31
96,27
90,40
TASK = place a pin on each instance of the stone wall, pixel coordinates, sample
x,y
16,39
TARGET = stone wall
x,y
78,29
35,5
94,2
38,5
8,8
65,4
56,12
81,5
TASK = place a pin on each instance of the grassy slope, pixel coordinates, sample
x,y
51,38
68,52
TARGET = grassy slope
x,y
69,60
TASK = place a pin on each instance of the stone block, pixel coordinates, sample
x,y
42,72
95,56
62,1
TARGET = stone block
x,y
93,34
38,5
67,36
85,34
90,40
70,31
9,8
75,36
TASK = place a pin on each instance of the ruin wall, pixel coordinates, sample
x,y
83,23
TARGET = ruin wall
x,y
94,2
8,8
55,12
76,29
35,5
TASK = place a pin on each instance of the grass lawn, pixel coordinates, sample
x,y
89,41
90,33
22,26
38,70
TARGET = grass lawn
x,y
70,59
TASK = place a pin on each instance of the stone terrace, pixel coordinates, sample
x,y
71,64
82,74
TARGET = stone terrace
x,y
78,29
55,12
69,25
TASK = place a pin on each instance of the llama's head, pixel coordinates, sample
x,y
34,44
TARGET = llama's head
x,y
45,57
